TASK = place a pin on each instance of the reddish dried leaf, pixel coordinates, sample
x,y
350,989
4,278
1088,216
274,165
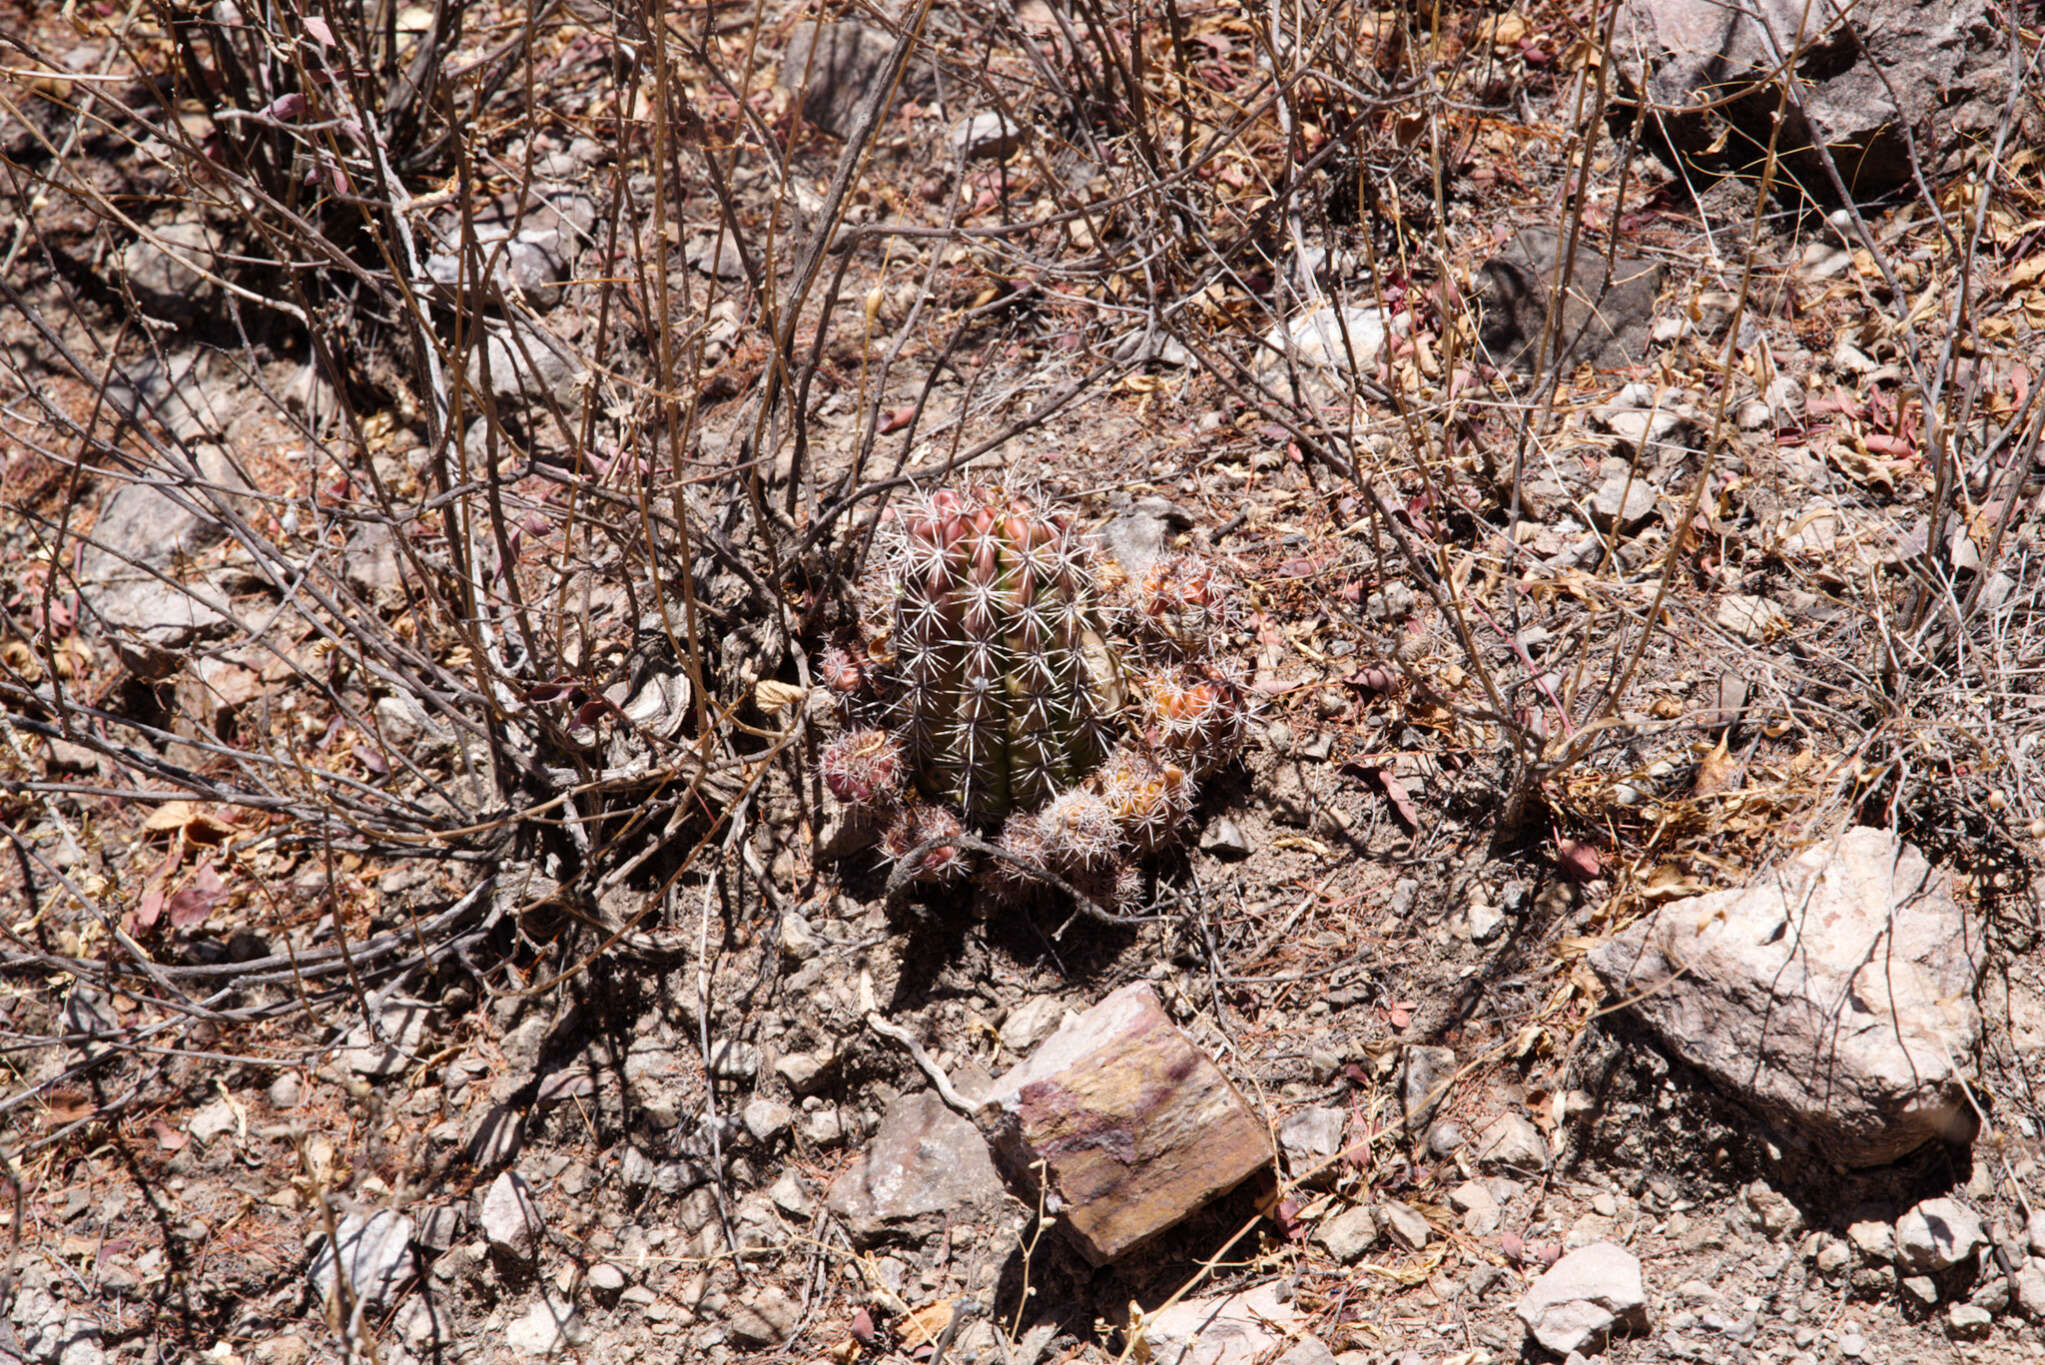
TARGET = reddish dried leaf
x,y
1578,861
196,898
1396,793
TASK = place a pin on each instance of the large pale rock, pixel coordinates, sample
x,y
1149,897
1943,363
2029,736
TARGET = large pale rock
x,y
1835,995
511,1220
1588,1293
374,1260
926,1169
1134,1125
1937,1235
1232,1329
1873,80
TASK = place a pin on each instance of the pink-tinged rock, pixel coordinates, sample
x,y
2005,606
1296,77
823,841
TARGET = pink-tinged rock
x,y
1134,1126
1834,994
925,1170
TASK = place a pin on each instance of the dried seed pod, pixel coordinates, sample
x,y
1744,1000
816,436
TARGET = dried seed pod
x,y
864,767
917,823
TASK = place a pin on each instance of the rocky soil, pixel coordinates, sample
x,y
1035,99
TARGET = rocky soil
x,y
427,935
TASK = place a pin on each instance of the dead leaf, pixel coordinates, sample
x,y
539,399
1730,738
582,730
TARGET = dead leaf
x,y
197,897
1716,771
1396,793
927,1322
1577,860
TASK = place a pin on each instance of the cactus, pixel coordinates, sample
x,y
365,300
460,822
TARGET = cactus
x,y
999,689
1003,679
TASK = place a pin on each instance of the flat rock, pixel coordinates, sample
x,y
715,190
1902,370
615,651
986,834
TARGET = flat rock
x,y
1349,1233
766,1318
1835,994
1134,1126
986,136
526,365
375,1257
1311,1137
511,1220
1426,1071
1326,338
389,1048
1606,314
926,1169
1031,1022
1750,618
1407,1224
1512,1141
548,1326
1234,1329
165,267
1937,1235
1582,1297
1623,503
1141,534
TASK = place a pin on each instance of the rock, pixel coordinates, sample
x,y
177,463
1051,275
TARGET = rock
x,y
716,254
1708,77
766,1120
1772,1211
1031,1022
213,1121
1225,839
1485,921
51,1333
1446,1138
1308,1351
375,1257
164,267
511,1220
284,1092
1589,1292
1479,1207
1874,1240
768,1318
392,1046
833,66
987,136
1129,1125
549,1326
1623,503
1324,339
1937,1235
1426,1074
532,263
925,1170
733,1059
439,1225
1750,618
1349,1233
1142,533
1406,1224
1830,1255
1605,315
1834,994
606,1281
527,365
1311,1138
1238,1329
2030,1290
789,1196
1968,1322
803,1071
1513,1142
371,563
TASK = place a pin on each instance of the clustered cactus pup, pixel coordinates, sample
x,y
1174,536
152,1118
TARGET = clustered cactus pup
x,y
1018,687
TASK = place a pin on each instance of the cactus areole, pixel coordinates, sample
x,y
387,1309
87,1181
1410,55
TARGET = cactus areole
x,y
1004,686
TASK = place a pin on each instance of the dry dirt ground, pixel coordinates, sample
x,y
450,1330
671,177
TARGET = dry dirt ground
x,y
238,1011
